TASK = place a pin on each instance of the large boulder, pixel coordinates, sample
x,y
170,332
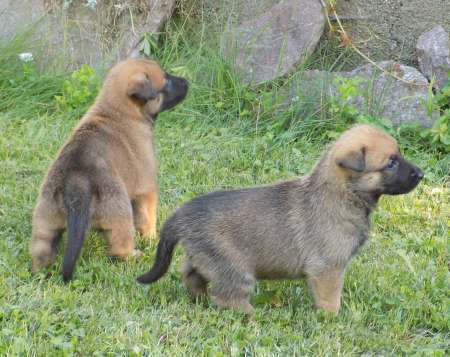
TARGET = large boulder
x,y
433,53
84,31
276,38
390,28
379,94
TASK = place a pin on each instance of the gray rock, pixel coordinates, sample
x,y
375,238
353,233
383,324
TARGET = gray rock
x,y
97,35
433,53
237,11
271,44
390,28
381,95
152,20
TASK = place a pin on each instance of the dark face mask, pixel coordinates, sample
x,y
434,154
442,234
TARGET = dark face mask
x,y
174,91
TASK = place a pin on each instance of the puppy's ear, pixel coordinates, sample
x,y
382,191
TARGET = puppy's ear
x,y
353,160
140,88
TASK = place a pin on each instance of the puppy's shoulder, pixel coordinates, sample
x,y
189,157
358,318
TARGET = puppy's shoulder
x,y
91,125
82,147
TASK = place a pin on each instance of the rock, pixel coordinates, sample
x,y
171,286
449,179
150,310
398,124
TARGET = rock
x,y
227,11
84,31
390,28
152,20
271,44
380,94
433,53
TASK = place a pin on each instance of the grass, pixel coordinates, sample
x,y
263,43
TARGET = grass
x,y
396,293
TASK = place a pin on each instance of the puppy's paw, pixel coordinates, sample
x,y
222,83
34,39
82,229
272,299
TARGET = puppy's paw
x,y
136,253
329,309
148,232
40,262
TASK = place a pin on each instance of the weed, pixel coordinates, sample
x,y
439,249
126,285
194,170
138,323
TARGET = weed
x,y
80,90
440,132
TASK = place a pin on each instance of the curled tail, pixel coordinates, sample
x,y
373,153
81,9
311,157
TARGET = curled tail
x,y
164,254
77,200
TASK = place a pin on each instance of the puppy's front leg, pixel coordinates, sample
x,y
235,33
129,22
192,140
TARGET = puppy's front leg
x,y
327,289
146,206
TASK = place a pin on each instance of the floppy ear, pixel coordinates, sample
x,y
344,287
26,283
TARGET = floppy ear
x,y
353,160
140,88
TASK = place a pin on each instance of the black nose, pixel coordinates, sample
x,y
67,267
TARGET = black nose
x,y
417,173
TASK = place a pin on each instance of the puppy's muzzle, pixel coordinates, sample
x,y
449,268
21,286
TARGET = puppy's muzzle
x,y
408,180
416,176
175,91
176,84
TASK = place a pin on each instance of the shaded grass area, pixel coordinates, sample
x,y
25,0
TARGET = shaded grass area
x,y
396,293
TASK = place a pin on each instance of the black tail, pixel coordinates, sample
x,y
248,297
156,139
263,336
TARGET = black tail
x,y
77,200
164,252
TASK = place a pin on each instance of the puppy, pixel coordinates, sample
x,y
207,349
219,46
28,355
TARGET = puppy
x,y
106,171
308,227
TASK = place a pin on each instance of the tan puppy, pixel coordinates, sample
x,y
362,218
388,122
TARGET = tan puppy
x,y
106,171
308,227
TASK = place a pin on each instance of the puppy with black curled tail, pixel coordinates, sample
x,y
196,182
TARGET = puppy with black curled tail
x,y
310,227
105,174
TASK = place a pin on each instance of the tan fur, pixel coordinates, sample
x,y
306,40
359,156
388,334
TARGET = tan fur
x,y
110,156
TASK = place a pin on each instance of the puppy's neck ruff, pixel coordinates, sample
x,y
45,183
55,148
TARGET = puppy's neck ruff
x,y
151,118
107,108
328,176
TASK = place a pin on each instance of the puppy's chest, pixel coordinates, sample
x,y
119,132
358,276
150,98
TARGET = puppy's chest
x,y
344,233
349,236
142,149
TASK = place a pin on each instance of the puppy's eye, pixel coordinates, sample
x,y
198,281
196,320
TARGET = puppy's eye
x,y
392,164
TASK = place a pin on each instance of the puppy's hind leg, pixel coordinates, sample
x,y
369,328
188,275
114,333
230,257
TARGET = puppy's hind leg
x,y
231,290
194,282
115,217
48,227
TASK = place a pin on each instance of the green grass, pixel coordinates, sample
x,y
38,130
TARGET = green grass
x,y
396,293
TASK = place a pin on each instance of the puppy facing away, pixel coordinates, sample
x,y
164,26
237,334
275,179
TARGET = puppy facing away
x,y
309,227
105,174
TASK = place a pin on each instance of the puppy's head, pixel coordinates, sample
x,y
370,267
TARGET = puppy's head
x,y
145,85
369,161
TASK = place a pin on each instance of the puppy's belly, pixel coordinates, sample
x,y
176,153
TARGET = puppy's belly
x,y
275,273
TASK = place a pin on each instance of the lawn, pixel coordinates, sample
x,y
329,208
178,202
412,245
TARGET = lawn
x,y
396,295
